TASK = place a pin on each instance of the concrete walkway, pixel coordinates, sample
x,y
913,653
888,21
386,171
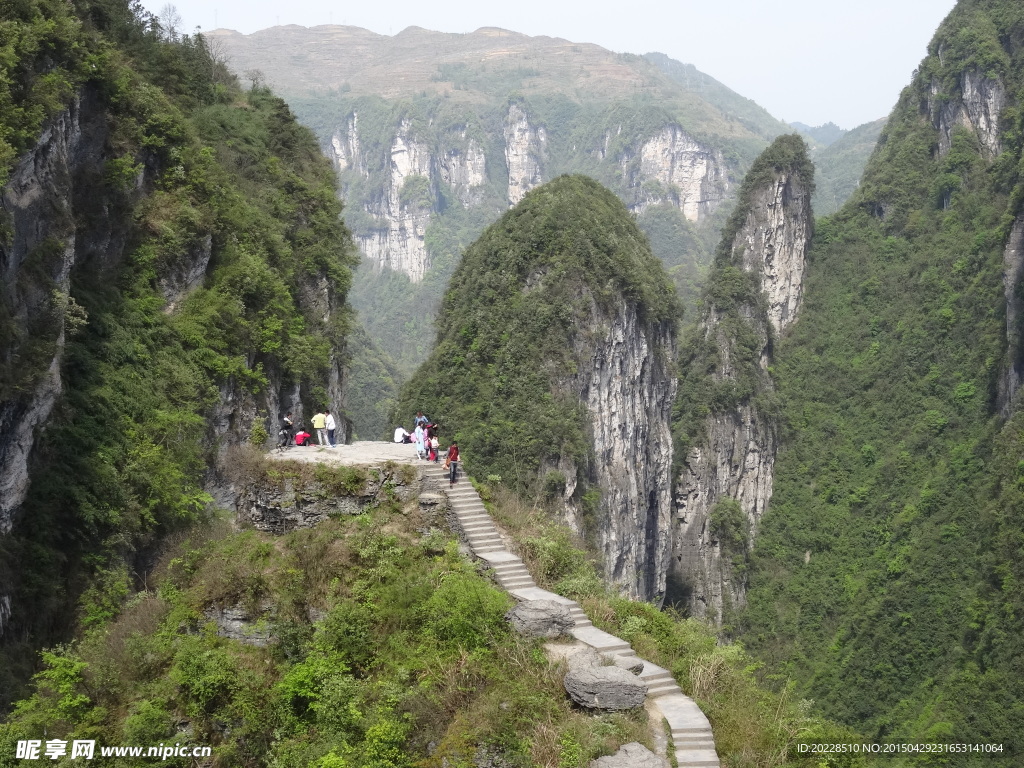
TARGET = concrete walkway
x,y
691,731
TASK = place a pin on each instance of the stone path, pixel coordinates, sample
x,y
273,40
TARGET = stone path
x,y
691,731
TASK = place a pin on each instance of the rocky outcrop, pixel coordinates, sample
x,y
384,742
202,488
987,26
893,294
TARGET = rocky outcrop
x,y
632,755
673,167
626,385
976,108
540,618
297,501
725,484
606,688
248,626
525,146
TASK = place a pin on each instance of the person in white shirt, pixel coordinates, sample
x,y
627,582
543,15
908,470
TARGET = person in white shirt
x,y
331,426
401,436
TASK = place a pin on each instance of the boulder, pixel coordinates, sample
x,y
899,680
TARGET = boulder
x,y
633,664
541,618
604,687
632,755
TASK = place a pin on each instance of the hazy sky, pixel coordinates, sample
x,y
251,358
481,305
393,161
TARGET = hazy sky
x,y
810,61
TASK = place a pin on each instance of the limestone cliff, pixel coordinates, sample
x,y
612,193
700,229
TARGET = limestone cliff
x,y
525,145
689,175
41,198
627,386
753,296
975,106
482,163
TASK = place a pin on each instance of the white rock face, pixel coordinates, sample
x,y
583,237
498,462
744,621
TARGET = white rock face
x,y
625,384
344,152
525,148
736,458
465,172
981,100
689,175
774,242
399,244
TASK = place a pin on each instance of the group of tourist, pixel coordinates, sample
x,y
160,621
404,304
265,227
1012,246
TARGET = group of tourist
x,y
424,436
323,423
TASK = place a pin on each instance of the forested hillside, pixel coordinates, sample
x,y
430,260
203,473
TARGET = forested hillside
x,y
886,577
174,276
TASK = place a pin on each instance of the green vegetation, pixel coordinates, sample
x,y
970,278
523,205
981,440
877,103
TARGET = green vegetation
x,y
753,727
387,650
741,330
519,315
838,167
123,458
886,573
373,381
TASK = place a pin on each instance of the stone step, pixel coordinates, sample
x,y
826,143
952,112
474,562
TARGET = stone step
x,y
518,584
477,527
505,575
697,758
470,508
662,689
686,734
705,742
517,563
488,548
583,623
483,541
657,677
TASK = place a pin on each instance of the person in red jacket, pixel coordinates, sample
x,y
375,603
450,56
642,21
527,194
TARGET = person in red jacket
x,y
452,462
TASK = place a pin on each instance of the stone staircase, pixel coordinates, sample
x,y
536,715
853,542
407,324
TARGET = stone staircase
x,y
690,729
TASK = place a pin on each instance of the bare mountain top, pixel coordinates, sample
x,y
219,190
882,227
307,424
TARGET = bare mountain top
x,y
301,59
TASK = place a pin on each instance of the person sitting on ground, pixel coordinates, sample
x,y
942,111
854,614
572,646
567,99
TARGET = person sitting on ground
x,y
401,436
302,437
